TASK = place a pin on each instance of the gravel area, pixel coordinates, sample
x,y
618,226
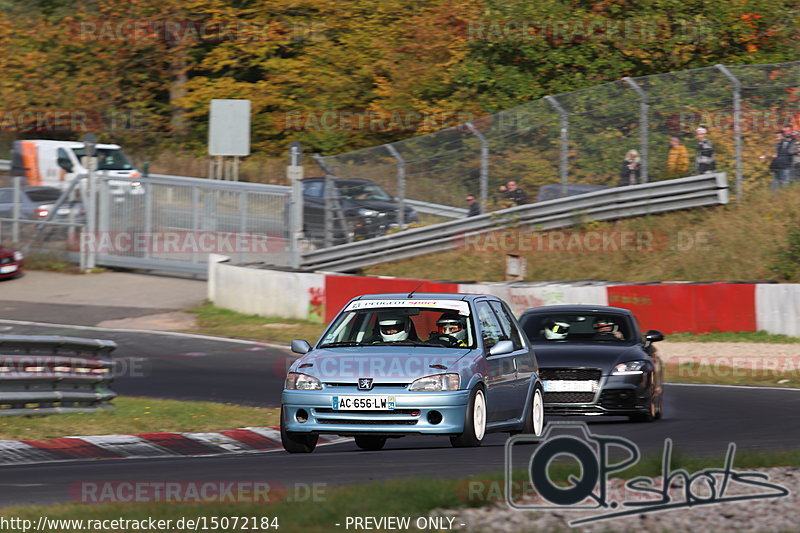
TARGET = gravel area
x,y
763,515
676,350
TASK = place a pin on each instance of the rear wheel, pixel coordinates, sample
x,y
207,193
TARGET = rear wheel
x,y
296,442
475,422
370,442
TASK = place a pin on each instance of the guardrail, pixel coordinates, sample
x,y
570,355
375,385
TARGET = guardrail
x,y
619,202
5,165
47,374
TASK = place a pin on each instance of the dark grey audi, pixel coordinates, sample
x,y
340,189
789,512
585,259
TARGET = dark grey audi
x,y
594,360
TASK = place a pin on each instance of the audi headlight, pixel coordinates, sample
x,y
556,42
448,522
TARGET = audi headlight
x,y
298,381
631,367
438,382
18,256
364,212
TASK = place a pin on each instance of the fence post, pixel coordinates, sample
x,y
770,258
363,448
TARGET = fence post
x,y
484,176
401,185
16,211
644,126
737,124
328,236
564,152
294,172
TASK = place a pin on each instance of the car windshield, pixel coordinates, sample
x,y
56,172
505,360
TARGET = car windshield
x,y
443,324
107,158
572,327
362,191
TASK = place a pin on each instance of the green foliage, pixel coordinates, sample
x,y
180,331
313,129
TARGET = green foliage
x,y
787,265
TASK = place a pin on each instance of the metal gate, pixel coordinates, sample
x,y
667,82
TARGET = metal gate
x,y
174,223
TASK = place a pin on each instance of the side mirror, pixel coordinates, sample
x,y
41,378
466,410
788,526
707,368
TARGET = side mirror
x,y
64,163
653,335
300,346
502,348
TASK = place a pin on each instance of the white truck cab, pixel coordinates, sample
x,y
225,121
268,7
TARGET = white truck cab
x,y
57,163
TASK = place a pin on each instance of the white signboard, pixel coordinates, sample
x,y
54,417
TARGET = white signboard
x,y
229,127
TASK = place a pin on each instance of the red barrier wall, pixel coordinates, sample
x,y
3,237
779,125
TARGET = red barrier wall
x,y
341,289
700,308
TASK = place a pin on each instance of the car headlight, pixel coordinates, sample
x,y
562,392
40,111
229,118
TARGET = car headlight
x,y
364,212
18,256
631,367
438,382
298,381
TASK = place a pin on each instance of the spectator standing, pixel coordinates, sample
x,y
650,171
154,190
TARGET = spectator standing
x,y
677,159
785,150
474,208
631,172
704,160
512,192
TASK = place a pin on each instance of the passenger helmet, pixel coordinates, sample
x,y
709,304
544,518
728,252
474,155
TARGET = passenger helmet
x,y
394,328
556,331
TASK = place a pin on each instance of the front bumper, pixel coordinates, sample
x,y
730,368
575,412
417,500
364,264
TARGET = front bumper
x,y
402,420
615,396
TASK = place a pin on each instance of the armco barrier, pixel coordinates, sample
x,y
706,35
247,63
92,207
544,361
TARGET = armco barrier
x,y
615,203
43,374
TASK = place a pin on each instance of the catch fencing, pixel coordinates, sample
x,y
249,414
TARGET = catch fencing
x,y
46,374
582,137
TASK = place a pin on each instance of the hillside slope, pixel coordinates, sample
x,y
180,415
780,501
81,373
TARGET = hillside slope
x,y
744,241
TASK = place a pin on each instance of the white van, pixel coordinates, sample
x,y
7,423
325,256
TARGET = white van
x,y
56,163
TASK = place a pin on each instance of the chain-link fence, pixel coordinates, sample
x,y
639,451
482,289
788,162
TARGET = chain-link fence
x,y
574,142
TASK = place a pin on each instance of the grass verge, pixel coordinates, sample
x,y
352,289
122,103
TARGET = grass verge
x,y
695,372
138,415
213,320
733,336
409,497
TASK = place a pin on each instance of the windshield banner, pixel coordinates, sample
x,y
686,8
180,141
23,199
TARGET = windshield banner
x,y
457,305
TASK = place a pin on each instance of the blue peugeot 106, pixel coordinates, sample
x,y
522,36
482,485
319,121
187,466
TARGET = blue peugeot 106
x,y
391,365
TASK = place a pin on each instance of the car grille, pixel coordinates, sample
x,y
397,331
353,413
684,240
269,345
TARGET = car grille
x,y
374,385
328,410
366,422
568,397
571,374
6,260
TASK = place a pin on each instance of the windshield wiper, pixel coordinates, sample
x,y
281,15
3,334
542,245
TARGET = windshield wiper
x,y
341,343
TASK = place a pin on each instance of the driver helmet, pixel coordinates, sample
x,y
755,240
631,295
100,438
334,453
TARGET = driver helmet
x,y
605,327
556,331
452,324
394,328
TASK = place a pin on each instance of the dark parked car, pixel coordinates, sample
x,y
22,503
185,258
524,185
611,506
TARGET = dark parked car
x,y
368,210
36,203
11,263
593,360
553,191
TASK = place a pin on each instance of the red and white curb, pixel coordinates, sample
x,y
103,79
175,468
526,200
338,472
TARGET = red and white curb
x,y
148,445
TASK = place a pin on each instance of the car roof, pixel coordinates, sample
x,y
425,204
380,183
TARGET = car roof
x,y
425,296
576,309
342,180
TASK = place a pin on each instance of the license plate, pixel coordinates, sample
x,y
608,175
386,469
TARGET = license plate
x,y
8,269
362,403
568,386
63,211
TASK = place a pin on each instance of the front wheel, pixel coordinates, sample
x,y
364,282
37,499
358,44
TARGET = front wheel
x,y
534,420
475,422
651,414
296,442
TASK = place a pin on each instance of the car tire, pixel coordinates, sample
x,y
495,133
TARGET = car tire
x,y
370,442
296,442
651,415
534,419
474,422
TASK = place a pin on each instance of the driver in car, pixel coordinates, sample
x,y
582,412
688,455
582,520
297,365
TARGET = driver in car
x,y
450,330
607,330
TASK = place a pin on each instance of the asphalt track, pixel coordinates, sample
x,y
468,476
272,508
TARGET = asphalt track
x,y
700,420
